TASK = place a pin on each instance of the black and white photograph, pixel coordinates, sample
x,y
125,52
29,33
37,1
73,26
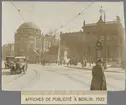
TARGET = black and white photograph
x,y
63,46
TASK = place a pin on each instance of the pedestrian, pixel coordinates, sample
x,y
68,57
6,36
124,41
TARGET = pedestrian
x,y
82,63
85,62
98,78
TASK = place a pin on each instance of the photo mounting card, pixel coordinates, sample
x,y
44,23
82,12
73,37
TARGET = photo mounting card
x,y
63,52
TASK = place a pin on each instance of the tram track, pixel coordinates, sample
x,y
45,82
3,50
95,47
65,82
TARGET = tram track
x,y
30,83
31,78
108,84
110,76
71,77
15,78
23,80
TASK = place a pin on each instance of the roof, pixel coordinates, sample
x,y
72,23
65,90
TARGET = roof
x,y
91,24
108,22
29,25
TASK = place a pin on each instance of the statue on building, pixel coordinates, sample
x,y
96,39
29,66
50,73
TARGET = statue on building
x,y
102,12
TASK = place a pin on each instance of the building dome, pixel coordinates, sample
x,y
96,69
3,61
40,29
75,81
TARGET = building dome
x,y
29,25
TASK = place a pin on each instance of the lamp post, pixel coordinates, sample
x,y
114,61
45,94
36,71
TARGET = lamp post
x,y
98,42
105,57
42,49
58,55
102,12
29,53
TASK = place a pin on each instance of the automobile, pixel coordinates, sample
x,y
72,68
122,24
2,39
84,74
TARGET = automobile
x,y
9,60
19,65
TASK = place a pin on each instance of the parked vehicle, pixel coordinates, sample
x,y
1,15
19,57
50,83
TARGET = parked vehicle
x,y
9,61
19,65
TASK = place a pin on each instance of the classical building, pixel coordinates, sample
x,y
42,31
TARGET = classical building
x,y
110,33
28,42
31,43
7,50
82,44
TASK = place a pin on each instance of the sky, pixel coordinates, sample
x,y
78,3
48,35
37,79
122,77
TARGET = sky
x,y
49,16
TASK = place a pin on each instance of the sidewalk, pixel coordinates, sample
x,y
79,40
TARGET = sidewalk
x,y
112,69
88,67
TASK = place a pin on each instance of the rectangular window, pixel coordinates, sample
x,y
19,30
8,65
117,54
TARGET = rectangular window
x,y
102,37
108,37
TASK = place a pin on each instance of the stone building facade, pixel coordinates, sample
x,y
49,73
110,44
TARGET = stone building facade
x,y
110,33
28,42
7,50
31,43
82,44
50,44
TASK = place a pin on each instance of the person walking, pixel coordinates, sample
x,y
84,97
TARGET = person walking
x,y
98,78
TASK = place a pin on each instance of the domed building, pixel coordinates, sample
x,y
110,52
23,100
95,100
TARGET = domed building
x,y
28,42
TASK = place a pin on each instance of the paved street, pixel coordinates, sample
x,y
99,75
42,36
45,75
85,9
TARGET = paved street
x,y
67,35
58,78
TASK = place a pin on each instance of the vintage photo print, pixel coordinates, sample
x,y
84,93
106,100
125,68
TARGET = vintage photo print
x,y
63,46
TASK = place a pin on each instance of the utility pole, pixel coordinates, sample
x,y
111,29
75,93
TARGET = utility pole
x,y
58,56
98,42
103,32
105,36
42,49
28,53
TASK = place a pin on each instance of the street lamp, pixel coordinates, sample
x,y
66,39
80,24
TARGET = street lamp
x,y
105,57
58,55
102,12
42,48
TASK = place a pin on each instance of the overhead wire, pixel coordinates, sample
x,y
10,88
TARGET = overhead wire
x,y
18,10
33,6
62,25
80,13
